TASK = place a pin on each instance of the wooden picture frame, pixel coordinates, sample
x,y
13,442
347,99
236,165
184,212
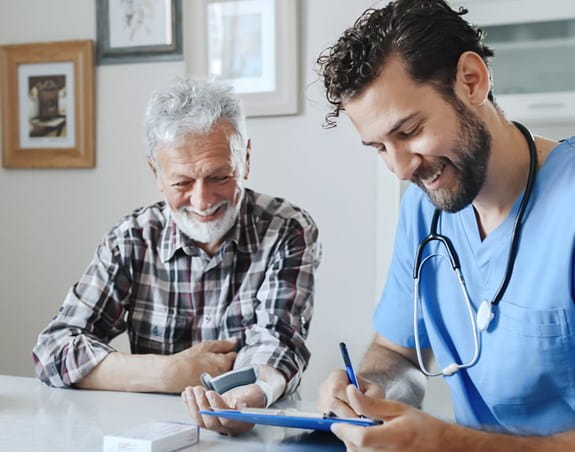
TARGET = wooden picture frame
x,y
47,96
250,44
138,32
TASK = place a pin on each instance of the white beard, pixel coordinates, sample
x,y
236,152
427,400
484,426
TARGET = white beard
x,y
210,231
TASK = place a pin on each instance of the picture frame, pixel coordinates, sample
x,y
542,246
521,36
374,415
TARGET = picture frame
x,y
47,105
138,31
252,45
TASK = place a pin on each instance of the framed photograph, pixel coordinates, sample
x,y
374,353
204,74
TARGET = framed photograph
x,y
251,44
47,95
138,31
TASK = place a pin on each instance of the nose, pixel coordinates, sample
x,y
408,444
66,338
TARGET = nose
x,y
201,195
402,162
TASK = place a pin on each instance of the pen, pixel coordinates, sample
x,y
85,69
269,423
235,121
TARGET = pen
x,y
348,367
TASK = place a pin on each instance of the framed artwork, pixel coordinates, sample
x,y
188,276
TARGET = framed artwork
x,y
47,96
251,44
138,31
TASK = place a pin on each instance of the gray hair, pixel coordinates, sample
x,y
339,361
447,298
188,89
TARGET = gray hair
x,y
189,106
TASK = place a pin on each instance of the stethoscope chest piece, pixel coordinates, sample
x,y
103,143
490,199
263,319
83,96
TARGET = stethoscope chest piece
x,y
484,315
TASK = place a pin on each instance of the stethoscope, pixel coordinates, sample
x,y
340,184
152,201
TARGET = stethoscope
x,y
480,321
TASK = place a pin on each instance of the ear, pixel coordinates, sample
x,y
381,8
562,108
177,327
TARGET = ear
x,y
472,82
248,151
154,167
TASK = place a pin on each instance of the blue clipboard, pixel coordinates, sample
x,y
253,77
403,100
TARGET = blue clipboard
x,y
288,418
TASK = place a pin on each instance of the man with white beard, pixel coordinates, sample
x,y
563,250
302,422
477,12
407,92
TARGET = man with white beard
x,y
215,277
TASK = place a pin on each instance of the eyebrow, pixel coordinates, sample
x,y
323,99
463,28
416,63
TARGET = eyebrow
x,y
394,128
226,167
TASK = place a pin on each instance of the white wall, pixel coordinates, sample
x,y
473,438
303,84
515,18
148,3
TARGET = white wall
x,y
51,220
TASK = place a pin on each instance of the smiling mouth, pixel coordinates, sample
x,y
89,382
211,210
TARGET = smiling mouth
x,y
428,181
210,215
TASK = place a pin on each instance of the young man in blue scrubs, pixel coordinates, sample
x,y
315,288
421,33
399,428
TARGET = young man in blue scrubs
x,y
414,79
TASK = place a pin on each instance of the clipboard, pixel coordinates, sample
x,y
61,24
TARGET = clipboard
x,y
289,417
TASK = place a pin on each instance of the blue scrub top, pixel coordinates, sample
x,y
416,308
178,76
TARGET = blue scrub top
x,y
524,381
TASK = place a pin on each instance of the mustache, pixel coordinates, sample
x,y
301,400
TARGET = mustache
x,y
204,213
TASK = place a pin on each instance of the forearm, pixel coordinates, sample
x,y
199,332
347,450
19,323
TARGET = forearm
x,y
125,372
396,375
455,438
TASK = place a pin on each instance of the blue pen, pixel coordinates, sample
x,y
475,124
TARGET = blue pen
x,y
348,367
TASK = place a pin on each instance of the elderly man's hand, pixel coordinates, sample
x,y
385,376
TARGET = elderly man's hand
x,y
184,368
197,398
333,396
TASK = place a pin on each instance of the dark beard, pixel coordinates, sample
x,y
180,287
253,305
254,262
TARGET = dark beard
x,y
474,147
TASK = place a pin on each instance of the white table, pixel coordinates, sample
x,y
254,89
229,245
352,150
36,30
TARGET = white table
x,y
35,418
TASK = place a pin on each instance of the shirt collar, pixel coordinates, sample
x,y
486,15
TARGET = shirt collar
x,y
173,239
244,233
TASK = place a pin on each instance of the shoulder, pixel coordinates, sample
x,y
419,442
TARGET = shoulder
x,y
269,210
556,174
562,156
142,224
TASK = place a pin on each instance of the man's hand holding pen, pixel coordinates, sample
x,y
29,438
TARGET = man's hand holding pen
x,y
333,391
334,396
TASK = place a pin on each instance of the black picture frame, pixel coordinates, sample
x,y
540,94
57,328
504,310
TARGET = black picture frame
x,y
106,54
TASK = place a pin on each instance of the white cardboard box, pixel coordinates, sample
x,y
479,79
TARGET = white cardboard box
x,y
153,437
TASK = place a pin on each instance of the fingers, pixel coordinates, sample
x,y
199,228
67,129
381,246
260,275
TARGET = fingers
x,y
223,346
333,397
208,400
198,399
226,425
370,388
359,438
374,407
189,399
229,358
404,427
220,363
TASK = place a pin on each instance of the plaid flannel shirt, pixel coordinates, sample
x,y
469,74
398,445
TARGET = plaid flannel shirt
x,y
149,279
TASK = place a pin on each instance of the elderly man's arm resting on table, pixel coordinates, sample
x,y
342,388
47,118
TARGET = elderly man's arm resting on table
x,y
160,373
74,350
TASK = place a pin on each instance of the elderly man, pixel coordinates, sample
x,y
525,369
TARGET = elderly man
x,y
488,212
215,277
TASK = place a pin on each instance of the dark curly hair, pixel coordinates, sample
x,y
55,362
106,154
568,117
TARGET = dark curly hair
x,y
427,34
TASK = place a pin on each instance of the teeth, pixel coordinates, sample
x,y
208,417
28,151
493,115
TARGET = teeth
x,y
433,178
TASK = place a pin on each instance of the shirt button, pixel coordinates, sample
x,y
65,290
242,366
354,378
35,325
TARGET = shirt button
x,y
208,318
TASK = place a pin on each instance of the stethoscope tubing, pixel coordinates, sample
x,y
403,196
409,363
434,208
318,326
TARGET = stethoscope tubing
x,y
455,264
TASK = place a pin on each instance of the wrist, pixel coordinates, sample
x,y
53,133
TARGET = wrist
x,y
273,383
269,396
166,369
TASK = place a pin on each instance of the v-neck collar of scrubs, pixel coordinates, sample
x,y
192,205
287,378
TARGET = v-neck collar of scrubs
x,y
501,235
499,240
